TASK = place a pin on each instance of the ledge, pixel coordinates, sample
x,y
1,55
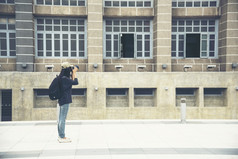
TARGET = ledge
x,y
7,9
128,12
60,11
195,12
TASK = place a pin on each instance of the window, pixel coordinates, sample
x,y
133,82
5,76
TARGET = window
x,y
61,2
117,97
128,3
144,91
215,97
7,37
195,3
213,91
42,92
117,91
128,38
7,1
191,95
78,92
144,97
194,38
60,37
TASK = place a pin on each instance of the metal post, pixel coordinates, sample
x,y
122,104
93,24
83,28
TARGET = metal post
x,y
183,110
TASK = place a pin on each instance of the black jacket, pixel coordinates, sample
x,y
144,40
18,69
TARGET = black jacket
x,y
67,90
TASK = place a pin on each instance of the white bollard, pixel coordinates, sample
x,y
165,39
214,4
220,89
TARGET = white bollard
x,y
183,110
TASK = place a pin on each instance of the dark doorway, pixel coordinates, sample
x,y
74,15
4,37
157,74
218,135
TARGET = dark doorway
x,y
192,45
6,105
127,45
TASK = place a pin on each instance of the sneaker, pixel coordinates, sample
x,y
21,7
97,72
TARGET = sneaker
x,y
64,140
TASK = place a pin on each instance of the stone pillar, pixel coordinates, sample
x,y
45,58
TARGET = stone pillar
x,y
24,35
95,35
162,34
228,35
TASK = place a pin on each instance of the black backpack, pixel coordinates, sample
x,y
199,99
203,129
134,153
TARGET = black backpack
x,y
55,89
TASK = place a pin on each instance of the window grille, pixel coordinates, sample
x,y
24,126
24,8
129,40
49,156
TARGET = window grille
x,y
60,37
128,3
61,2
114,31
207,31
194,3
7,37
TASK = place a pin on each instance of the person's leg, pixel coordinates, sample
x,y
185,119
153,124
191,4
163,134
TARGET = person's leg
x,y
61,121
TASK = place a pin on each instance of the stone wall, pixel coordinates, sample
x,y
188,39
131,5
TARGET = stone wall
x,y
94,104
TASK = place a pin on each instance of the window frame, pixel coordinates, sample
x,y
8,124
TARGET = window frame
x,y
125,89
143,33
193,3
52,4
128,6
177,33
61,33
8,31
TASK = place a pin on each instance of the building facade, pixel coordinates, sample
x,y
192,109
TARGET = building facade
x,y
137,58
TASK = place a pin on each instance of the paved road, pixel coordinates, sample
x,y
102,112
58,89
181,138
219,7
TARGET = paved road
x,y
121,139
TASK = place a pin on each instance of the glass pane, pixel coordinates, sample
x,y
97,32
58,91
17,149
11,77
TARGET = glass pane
x,y
197,4
212,36
57,54
180,4
81,3
204,45
12,44
65,44
81,45
48,2
108,46
3,26
116,3
39,2
65,2
73,45
173,54
12,53
56,2
189,4
132,4
3,44
124,3
174,29
181,45
211,54
108,3
57,45
181,54
139,45
147,46
174,4
211,29
212,46
48,45
40,44
73,2
205,4
147,4
173,45
213,4
139,4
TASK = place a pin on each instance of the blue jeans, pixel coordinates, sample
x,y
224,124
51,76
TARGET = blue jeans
x,y
61,119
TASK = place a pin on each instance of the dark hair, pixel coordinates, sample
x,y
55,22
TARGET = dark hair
x,y
65,72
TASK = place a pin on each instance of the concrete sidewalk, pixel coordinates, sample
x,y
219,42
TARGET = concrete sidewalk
x,y
121,139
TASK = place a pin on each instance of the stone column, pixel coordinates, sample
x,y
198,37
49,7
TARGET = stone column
x,y
228,35
95,35
24,35
162,34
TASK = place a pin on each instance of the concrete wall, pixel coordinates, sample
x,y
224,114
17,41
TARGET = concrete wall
x,y
24,103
